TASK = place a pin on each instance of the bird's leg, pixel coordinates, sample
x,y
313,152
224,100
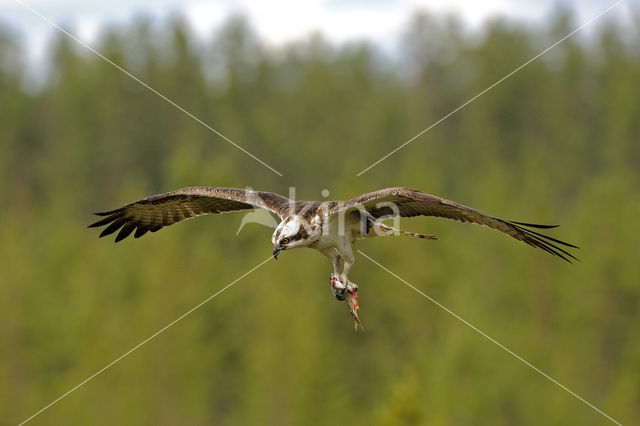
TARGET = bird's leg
x,y
339,281
348,262
336,263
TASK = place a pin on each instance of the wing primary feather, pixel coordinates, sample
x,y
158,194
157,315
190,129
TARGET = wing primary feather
x,y
544,246
142,229
113,227
533,225
126,230
550,245
536,244
105,221
548,237
547,249
547,245
109,212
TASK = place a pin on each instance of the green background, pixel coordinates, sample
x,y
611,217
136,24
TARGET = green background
x,y
558,142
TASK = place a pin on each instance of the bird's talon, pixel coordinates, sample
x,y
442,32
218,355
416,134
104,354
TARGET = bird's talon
x,y
339,296
337,288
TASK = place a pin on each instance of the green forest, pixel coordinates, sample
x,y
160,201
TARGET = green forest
x,y
556,143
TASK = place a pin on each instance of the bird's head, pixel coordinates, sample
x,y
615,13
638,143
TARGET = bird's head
x,y
290,233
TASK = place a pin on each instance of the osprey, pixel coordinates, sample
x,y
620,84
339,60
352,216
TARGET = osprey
x,y
330,227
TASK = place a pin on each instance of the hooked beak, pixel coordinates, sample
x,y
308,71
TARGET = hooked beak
x,y
276,251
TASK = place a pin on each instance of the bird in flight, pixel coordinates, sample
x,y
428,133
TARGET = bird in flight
x,y
330,227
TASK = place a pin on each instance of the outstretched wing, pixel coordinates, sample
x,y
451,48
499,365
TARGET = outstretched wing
x,y
155,212
405,202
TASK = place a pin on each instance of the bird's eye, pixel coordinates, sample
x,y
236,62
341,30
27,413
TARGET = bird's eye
x,y
284,241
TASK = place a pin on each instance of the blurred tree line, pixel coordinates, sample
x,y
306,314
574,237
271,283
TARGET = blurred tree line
x,y
555,143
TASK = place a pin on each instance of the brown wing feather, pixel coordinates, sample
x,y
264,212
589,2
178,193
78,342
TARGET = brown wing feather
x,y
155,212
410,202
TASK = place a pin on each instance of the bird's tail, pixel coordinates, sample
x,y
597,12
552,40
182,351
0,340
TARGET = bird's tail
x,y
400,231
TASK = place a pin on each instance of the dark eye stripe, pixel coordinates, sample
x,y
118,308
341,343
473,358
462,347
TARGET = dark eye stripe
x,y
300,235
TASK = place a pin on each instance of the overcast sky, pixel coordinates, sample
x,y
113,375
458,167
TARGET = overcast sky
x,y
277,21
